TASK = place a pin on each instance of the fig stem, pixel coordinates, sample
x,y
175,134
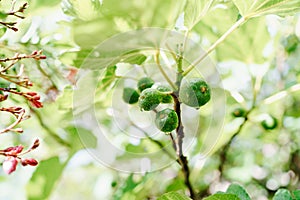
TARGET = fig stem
x,y
182,160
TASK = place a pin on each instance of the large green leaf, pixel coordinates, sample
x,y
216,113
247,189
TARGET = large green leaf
x,y
44,178
94,23
282,194
135,59
173,196
195,10
222,196
250,8
247,43
146,13
238,191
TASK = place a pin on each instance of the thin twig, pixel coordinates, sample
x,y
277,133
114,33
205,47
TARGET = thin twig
x,y
20,117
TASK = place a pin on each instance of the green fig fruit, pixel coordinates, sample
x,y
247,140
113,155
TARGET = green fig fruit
x,y
149,99
130,95
194,92
166,120
144,83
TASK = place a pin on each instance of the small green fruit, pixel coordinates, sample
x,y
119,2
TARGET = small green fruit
x,y
269,123
167,98
166,120
150,98
194,92
145,83
130,95
239,112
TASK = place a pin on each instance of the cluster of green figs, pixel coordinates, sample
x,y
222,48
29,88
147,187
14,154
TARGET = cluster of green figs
x,y
148,95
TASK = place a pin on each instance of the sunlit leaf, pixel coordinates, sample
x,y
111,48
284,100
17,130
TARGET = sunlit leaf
x,y
64,101
147,13
95,23
222,197
250,8
135,59
173,196
238,191
195,10
81,138
109,77
247,43
44,179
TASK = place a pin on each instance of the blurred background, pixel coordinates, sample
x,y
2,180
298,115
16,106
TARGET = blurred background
x,y
259,61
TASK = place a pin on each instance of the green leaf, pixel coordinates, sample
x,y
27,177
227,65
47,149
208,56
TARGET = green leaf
x,y
176,184
81,56
3,15
282,194
135,59
173,196
36,4
222,196
2,31
65,101
246,44
81,138
250,8
95,23
44,179
146,13
89,34
296,194
195,10
109,77
238,191
128,186
83,9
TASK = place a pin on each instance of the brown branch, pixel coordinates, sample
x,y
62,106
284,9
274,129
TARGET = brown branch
x,y
182,160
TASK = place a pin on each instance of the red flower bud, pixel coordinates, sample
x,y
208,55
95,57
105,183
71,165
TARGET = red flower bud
x,y
9,165
29,161
14,150
37,104
43,57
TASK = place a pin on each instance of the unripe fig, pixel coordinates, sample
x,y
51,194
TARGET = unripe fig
x,y
269,123
150,98
194,92
239,112
145,83
166,120
167,98
130,95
